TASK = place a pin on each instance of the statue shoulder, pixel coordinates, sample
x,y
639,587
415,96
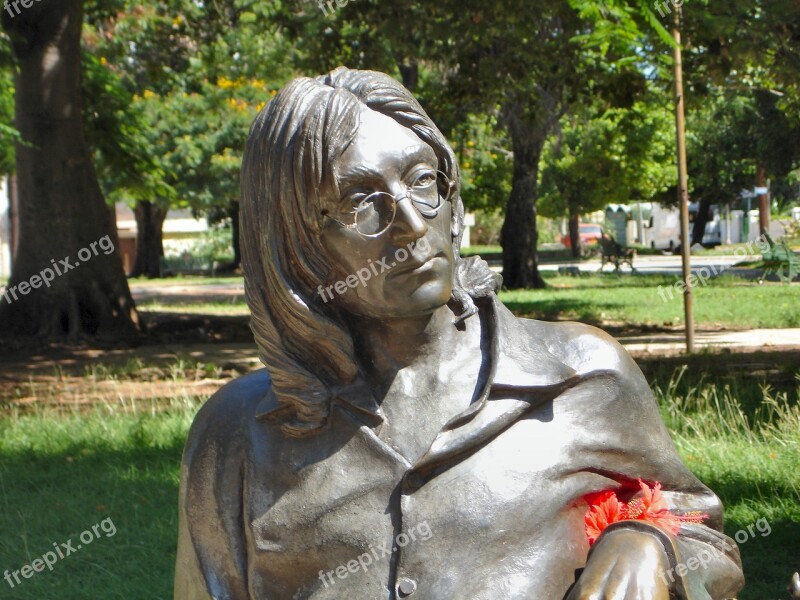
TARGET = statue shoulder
x,y
226,417
582,347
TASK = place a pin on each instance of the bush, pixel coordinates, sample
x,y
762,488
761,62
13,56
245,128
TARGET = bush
x,y
215,244
486,231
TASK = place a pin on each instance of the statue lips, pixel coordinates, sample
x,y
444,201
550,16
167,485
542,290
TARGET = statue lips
x,y
416,267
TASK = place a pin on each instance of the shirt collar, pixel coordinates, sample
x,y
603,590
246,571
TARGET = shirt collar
x,y
516,363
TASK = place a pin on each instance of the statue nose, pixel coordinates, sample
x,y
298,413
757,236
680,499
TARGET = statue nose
x,y
409,225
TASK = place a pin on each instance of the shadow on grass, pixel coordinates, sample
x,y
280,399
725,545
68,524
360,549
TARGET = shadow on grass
x,y
560,309
745,373
197,328
50,499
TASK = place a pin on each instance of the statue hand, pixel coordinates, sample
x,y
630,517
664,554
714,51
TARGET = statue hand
x,y
624,565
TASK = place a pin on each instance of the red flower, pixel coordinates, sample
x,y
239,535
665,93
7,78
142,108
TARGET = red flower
x,y
605,509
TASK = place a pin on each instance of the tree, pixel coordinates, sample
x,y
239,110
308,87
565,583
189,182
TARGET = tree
x,y
62,210
731,136
197,75
750,49
606,155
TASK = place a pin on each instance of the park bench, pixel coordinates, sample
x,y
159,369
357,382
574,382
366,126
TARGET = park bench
x,y
613,253
779,259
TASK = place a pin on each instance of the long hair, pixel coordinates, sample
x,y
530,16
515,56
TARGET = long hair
x,y
286,172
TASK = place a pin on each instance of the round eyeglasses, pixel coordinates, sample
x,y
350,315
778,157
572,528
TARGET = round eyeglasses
x,y
374,213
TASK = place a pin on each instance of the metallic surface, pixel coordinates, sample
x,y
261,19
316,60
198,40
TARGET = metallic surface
x,y
453,459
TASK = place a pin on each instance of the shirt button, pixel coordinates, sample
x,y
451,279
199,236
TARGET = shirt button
x,y
406,587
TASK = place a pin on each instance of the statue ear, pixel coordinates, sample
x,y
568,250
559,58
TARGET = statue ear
x,y
457,221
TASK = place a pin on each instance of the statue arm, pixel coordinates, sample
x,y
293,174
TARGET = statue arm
x,y
628,442
700,561
211,559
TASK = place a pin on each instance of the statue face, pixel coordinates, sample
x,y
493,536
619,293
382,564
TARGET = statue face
x,y
407,270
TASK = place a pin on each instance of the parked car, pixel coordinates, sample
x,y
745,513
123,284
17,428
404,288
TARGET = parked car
x,y
589,233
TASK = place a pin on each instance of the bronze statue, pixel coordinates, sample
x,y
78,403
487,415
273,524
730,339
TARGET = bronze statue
x,y
410,437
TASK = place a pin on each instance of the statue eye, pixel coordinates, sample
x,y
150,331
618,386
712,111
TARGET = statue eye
x,y
424,180
352,200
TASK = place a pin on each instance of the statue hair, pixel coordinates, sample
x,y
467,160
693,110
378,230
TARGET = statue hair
x,y
286,172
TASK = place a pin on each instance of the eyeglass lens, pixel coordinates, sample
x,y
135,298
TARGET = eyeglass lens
x,y
376,212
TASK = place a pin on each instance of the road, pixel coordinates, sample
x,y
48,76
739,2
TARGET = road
x,y
663,265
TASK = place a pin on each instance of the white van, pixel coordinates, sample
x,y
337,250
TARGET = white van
x,y
664,231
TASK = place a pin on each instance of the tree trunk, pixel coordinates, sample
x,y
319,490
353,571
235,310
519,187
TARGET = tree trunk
x,y
149,239
763,199
701,219
574,231
519,235
409,71
67,277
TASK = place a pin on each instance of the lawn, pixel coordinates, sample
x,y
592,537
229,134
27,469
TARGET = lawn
x,y
65,469
653,301
602,299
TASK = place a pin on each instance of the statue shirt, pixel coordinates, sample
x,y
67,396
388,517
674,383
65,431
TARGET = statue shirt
x,y
493,510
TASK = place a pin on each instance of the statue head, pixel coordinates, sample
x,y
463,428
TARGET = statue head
x,y
318,153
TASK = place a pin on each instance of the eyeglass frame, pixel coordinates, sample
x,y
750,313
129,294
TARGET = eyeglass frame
x,y
396,198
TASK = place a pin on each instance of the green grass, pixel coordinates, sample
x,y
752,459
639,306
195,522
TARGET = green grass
x,y
481,250
645,301
748,453
60,474
179,280
63,470
234,306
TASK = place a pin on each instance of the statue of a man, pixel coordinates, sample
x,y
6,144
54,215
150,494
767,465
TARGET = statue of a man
x,y
409,436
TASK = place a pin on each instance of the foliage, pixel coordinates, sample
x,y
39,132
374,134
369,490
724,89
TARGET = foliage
x,y
486,163
616,155
195,137
729,135
115,129
8,134
197,76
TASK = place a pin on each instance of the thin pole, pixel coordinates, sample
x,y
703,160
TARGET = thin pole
x,y
683,184
763,200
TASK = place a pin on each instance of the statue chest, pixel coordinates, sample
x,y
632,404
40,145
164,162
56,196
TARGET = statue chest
x,y
361,521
